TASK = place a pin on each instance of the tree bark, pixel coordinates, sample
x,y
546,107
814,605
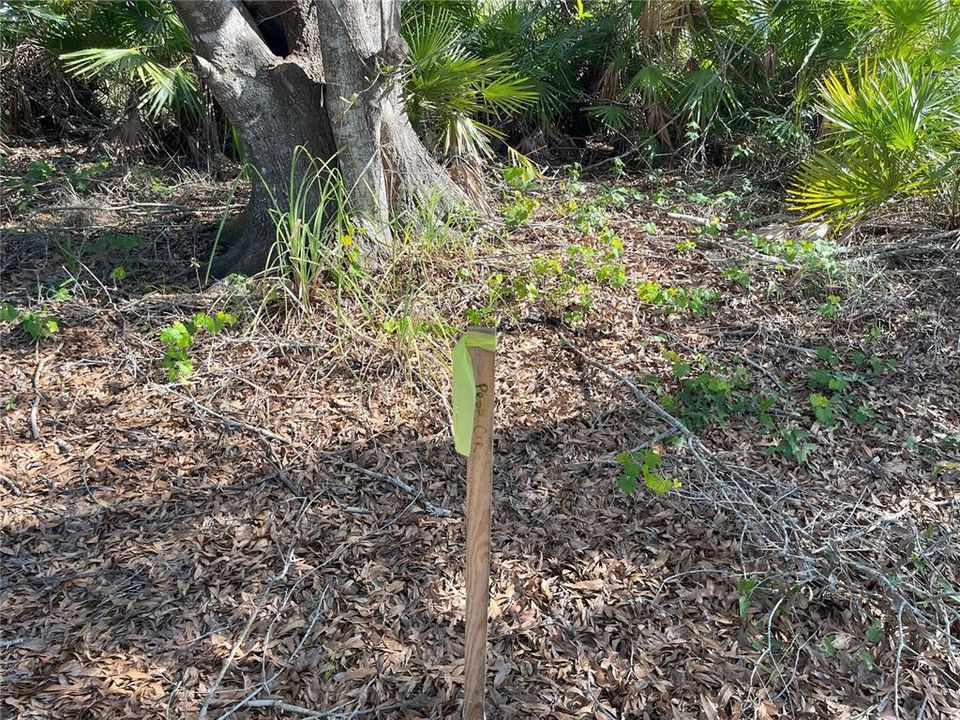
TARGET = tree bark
x,y
317,73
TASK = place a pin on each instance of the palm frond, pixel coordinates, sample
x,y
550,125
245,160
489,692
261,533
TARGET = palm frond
x,y
851,186
651,82
703,94
450,87
93,61
614,117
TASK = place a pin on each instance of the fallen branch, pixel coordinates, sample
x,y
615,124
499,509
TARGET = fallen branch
x,y
232,422
692,219
212,691
940,242
310,713
281,706
431,509
704,457
14,488
809,547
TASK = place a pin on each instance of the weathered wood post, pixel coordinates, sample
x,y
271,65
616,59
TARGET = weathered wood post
x,y
480,345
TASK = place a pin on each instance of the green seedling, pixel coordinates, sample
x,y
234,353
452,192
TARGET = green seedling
x,y
794,445
745,590
519,211
698,301
831,308
179,337
520,177
36,323
643,464
736,275
824,409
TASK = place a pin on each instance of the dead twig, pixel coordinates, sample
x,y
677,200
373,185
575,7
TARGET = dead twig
x,y
232,422
215,686
35,408
310,713
14,488
431,508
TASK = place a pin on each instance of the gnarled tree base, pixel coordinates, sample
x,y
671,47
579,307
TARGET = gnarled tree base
x,y
320,75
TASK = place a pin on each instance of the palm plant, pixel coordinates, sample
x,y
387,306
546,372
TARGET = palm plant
x,y
546,45
636,84
893,131
892,123
454,94
138,48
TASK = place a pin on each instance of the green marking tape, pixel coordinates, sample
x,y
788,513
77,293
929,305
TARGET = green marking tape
x,y
465,387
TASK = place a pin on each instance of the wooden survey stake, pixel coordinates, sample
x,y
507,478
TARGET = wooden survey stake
x,y
477,571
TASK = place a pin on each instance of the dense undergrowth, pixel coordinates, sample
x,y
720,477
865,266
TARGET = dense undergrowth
x,y
852,103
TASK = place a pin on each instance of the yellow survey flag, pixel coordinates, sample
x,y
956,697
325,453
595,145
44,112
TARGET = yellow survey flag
x,y
465,387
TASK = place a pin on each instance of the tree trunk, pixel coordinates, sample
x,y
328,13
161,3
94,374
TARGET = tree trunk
x,y
322,74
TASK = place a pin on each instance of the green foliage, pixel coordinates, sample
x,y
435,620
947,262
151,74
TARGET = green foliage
x,y
519,210
736,275
831,308
135,48
521,175
698,301
179,337
874,634
793,445
453,91
122,243
315,237
893,121
815,255
37,323
41,176
729,80
563,282
824,409
637,465
707,394
407,327
497,292
713,226
837,392
745,590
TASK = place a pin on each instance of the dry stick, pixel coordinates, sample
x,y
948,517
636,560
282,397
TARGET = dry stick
x,y
477,571
14,488
233,422
893,591
212,691
703,456
431,508
35,409
279,705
